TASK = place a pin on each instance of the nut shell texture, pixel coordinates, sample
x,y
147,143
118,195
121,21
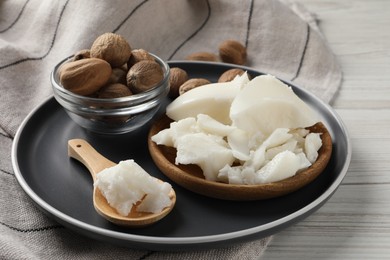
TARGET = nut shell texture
x,y
229,75
144,75
84,77
111,47
137,55
191,84
115,90
202,56
177,78
231,51
118,76
83,54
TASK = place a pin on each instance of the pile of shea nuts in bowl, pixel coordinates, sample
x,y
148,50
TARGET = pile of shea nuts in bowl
x,y
111,88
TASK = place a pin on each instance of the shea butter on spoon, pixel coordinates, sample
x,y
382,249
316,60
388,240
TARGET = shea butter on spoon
x,y
125,194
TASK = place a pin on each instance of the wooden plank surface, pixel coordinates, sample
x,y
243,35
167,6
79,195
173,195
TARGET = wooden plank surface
x,y
355,222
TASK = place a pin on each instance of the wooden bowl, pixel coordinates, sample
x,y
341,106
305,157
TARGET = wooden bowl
x,y
191,176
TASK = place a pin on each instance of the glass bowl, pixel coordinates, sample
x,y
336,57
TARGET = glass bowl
x,y
113,115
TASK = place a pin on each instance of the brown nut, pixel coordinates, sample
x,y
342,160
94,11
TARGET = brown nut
x,y
83,54
191,84
231,51
229,75
115,90
138,55
118,75
84,77
202,56
177,77
112,48
144,75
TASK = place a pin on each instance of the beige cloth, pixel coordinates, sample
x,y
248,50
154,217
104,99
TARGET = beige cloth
x,y
282,39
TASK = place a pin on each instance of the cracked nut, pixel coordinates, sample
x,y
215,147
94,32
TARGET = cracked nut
x,y
111,47
231,51
144,75
191,84
177,77
84,77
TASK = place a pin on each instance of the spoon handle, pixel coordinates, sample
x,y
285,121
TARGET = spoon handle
x,y
82,151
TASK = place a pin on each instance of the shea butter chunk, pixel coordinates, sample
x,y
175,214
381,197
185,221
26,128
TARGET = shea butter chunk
x,y
209,152
211,99
126,183
266,103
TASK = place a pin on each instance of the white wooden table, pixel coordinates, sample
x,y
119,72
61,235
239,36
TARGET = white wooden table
x,y
355,222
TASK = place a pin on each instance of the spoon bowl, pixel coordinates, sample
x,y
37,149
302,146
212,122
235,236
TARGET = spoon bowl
x,y
82,151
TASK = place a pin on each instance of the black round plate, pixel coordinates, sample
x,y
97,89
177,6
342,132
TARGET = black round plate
x,y
62,187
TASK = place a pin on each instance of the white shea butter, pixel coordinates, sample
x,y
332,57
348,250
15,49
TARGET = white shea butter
x,y
126,183
211,99
243,132
266,103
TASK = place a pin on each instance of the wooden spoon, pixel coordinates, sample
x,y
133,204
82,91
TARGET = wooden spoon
x,y
82,151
